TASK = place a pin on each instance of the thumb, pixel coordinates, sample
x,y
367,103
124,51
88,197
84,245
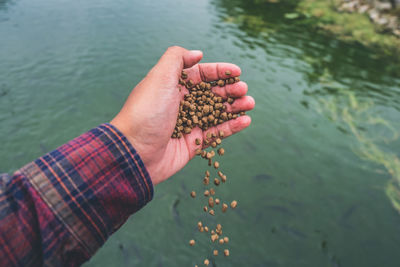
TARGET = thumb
x,y
177,58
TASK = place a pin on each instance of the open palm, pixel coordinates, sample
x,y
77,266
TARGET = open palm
x,y
149,115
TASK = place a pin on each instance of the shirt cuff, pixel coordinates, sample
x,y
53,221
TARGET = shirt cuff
x,y
92,184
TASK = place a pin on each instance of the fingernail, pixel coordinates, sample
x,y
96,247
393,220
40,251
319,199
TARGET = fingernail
x,y
196,52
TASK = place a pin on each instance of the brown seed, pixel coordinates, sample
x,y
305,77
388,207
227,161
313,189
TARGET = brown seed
x,y
217,201
216,164
223,178
230,100
237,79
226,239
221,83
221,241
214,144
242,113
192,242
221,151
199,224
214,237
198,151
209,155
207,262
207,173
198,142
209,162
227,72
206,180
203,154
233,204
206,193
211,202
205,208
208,135
219,226
212,232
218,141
216,181
193,194
201,229
224,207
184,75
212,212
226,252
212,191
215,252
206,228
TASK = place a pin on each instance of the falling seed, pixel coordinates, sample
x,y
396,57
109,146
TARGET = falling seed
x,y
215,252
209,162
206,180
209,155
224,207
212,191
211,202
223,178
203,154
206,228
214,237
193,194
198,142
216,164
206,193
233,204
199,224
226,252
201,229
219,226
207,262
207,173
205,208
192,242
221,241
221,151
226,239
217,201
212,212
216,181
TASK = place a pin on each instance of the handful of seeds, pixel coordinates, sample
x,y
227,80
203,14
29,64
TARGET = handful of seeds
x,y
204,109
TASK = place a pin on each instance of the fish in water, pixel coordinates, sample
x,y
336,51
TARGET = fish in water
x,y
264,177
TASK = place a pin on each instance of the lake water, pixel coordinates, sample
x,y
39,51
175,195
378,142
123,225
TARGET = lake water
x,y
311,174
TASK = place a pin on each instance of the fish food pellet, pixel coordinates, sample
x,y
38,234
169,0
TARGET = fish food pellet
x,y
204,109
233,204
212,191
216,164
211,202
226,252
224,207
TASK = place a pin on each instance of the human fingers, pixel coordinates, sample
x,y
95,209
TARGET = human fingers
x,y
176,58
207,72
244,103
234,90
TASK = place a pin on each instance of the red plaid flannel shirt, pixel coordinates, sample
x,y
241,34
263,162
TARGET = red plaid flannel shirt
x,y
59,209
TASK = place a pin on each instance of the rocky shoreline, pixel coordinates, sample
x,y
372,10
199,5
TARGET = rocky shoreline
x,y
379,12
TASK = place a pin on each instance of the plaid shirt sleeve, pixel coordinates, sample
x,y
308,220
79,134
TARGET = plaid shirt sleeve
x,y
59,209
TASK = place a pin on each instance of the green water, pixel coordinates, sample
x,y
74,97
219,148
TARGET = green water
x,y
306,197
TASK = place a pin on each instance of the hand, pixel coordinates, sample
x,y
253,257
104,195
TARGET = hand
x,y
149,115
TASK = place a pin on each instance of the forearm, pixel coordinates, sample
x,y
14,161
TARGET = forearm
x,y
59,209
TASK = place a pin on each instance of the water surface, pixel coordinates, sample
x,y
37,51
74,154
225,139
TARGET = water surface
x,y
307,195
